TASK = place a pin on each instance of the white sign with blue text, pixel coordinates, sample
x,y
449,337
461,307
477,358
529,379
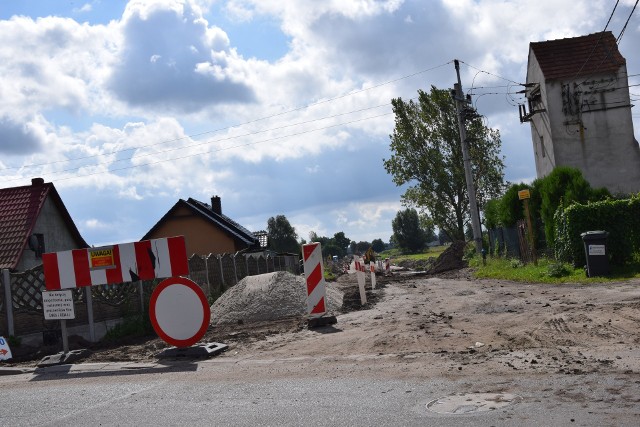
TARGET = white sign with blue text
x,y
5,351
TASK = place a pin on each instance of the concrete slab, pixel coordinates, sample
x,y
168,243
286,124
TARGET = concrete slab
x,y
198,351
317,322
15,371
64,358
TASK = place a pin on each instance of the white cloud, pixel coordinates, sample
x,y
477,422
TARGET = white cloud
x,y
171,60
162,103
84,8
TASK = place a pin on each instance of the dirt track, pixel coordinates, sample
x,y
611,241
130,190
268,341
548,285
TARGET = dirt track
x,y
446,326
457,324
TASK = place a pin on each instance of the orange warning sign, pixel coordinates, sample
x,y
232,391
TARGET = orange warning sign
x,y
101,258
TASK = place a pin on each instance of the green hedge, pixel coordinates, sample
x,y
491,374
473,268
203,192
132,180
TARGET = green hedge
x,y
621,218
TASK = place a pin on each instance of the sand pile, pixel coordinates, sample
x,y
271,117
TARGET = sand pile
x,y
268,296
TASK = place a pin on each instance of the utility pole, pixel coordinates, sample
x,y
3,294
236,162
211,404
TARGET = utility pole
x,y
462,111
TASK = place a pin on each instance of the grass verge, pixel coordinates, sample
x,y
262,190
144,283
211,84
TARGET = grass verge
x,y
547,271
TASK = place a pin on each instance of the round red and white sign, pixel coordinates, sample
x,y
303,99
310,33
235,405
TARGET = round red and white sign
x,y
179,311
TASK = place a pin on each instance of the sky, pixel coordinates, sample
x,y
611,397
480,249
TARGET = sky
x,y
278,107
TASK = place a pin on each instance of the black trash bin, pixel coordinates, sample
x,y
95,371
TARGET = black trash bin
x,y
595,250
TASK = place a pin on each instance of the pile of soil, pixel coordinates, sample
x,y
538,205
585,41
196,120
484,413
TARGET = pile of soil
x,y
450,259
265,297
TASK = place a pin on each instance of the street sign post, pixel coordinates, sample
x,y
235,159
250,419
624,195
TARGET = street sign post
x,y
58,305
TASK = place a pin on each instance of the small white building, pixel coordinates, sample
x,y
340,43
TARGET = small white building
x,y
580,112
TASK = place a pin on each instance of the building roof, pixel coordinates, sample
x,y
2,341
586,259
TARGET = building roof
x,y
20,207
218,219
578,56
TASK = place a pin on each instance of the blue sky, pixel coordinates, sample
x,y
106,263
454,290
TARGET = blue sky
x,y
277,107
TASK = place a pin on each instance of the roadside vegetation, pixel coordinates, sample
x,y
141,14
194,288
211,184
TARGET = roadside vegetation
x,y
547,271
397,254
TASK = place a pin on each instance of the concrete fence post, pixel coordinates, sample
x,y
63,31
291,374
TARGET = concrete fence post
x,y
221,271
89,301
206,269
8,301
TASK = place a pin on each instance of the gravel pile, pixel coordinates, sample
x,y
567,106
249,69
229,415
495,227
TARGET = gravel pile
x,y
268,296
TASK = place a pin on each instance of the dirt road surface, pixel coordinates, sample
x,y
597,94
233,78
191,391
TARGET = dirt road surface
x,y
447,325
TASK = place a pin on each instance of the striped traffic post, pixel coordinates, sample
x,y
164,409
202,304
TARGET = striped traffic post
x,y
372,268
359,264
314,275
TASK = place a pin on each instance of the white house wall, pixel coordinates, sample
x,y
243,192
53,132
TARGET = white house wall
x,y
540,124
607,154
57,237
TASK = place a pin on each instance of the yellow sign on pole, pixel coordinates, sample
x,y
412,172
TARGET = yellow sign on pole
x,y
100,258
524,194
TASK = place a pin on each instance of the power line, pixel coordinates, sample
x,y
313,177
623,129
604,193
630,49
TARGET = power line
x,y
492,74
193,145
218,150
626,23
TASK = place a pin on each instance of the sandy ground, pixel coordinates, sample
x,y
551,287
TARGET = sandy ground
x,y
447,325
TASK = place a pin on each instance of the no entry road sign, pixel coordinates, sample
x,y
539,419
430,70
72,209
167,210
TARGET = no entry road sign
x,y
179,311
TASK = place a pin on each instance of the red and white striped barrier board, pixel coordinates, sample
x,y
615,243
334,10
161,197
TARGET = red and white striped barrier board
x,y
314,274
361,279
127,262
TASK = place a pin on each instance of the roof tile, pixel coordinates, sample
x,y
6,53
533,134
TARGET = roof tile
x,y
19,209
578,56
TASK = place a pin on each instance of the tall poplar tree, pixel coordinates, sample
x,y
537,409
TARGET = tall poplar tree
x,y
427,155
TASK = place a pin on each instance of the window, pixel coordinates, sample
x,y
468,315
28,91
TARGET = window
x,y
36,244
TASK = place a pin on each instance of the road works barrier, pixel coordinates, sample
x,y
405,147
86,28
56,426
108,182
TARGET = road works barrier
x,y
372,268
359,266
314,274
128,262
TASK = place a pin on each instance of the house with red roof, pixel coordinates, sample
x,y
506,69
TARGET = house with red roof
x,y
34,220
580,110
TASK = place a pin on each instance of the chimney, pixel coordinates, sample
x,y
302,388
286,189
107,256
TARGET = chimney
x,y
37,181
216,205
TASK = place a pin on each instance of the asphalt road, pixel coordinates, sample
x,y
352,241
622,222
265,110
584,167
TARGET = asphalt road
x,y
305,391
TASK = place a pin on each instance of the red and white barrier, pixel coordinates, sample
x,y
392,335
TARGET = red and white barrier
x,y
360,269
314,274
372,268
387,266
128,262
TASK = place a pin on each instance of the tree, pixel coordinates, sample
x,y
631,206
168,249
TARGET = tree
x,y
443,237
378,245
336,245
341,241
282,235
426,152
407,233
562,187
511,207
362,247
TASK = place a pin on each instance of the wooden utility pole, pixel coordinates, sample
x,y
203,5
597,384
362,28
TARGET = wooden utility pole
x,y
525,195
458,96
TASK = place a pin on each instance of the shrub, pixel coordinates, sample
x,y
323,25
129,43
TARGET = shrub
x,y
561,188
557,269
621,218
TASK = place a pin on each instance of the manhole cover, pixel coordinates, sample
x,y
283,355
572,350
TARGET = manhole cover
x,y
472,403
